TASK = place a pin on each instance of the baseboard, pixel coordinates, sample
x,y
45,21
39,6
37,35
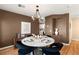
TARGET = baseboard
x,y
75,39
6,47
66,43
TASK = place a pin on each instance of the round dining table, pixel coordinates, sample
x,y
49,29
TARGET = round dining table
x,y
42,41
38,42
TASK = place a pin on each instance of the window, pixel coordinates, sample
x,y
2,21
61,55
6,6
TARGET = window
x,y
25,27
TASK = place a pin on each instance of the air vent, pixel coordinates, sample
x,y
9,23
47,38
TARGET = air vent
x,y
20,5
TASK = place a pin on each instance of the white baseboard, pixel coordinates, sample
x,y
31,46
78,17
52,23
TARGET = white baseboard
x,y
75,39
66,43
6,47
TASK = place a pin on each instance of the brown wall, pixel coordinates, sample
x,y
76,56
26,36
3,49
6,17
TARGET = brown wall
x,y
10,24
63,25
61,22
51,19
0,31
35,26
48,26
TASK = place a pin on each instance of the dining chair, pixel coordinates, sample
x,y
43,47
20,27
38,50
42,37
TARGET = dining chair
x,y
54,49
22,49
48,35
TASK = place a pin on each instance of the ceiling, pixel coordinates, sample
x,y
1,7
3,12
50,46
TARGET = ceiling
x,y
44,9
29,9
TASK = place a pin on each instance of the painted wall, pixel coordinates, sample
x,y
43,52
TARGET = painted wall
x,y
75,28
60,21
10,24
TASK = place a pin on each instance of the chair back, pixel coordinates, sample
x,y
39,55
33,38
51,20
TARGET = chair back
x,y
58,45
19,37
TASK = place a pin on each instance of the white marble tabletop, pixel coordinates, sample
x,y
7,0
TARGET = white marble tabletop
x,y
37,41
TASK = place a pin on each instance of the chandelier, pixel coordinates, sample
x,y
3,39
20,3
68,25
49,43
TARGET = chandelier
x,y
37,14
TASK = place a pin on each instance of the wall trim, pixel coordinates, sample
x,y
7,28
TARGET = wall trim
x,y
6,47
66,43
76,39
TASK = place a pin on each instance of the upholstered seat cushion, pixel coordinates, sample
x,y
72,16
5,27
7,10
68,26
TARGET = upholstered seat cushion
x,y
58,45
22,49
19,45
53,49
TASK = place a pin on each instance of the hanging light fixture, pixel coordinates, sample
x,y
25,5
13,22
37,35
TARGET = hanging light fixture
x,y
37,14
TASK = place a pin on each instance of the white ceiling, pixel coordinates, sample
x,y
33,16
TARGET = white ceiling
x,y
74,10
45,9
29,9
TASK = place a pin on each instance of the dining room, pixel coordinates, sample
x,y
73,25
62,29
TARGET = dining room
x,y
30,29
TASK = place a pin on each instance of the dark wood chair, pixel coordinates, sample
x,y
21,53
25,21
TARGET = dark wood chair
x,y
48,35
